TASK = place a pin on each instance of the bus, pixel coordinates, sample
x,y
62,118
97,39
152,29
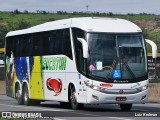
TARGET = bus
x,y
77,61
153,67
1,57
1,63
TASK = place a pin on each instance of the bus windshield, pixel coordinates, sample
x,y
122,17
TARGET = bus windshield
x,y
118,56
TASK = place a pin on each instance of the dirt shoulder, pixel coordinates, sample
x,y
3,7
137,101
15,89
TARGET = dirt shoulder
x,y
154,92
2,87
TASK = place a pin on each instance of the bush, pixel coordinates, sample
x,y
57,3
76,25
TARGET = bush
x,y
22,25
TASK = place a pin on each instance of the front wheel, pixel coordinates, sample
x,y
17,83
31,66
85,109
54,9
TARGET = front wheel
x,y
126,107
73,100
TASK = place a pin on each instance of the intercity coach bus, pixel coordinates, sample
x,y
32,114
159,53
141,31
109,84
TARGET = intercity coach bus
x,y
78,61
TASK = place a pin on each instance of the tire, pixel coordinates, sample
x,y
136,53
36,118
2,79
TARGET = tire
x,y
19,96
126,107
26,99
73,100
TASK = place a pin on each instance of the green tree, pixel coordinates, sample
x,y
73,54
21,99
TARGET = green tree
x,y
3,32
16,11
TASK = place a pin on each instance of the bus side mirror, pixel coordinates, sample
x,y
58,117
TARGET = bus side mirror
x,y
154,48
84,47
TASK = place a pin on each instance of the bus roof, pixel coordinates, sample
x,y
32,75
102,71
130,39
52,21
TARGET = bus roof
x,y
89,24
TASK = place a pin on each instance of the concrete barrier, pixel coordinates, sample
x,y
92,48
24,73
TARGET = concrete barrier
x,y
154,91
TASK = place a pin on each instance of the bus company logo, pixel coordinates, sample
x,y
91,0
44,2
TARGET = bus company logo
x,y
118,81
121,91
106,85
54,85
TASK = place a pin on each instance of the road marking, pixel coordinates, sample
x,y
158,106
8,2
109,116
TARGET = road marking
x,y
59,119
119,118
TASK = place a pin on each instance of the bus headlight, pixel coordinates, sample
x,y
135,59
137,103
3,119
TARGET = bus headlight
x,y
93,86
143,88
96,88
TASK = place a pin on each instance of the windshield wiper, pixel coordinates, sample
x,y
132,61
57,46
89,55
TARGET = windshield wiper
x,y
128,69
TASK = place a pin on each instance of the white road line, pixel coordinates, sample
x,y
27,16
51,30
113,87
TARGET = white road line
x,y
119,118
59,119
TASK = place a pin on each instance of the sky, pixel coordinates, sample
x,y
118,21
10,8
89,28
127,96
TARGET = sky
x,y
115,6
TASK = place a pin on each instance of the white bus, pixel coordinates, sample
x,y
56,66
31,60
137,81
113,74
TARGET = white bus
x,y
78,61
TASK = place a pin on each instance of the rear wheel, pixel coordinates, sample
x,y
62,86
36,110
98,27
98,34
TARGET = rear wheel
x,y
126,107
26,99
19,96
73,100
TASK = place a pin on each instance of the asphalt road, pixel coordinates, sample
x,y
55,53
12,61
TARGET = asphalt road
x,y
51,109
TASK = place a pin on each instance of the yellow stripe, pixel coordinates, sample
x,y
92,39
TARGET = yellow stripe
x,y
1,49
150,54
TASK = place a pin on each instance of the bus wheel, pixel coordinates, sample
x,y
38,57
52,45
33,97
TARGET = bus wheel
x,y
126,107
19,96
26,99
73,100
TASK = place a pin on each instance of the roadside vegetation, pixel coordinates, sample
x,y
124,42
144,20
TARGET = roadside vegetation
x,y
16,20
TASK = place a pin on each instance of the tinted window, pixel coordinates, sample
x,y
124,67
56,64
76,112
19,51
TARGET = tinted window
x,y
44,43
78,33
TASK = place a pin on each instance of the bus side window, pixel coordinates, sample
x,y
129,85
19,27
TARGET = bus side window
x,y
45,37
58,43
52,43
30,45
63,41
68,48
78,33
40,44
23,45
35,43
9,45
17,52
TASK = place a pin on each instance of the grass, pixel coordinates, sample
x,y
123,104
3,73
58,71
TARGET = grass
x,y
9,19
39,18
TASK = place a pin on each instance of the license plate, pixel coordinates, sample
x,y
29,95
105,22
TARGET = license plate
x,y
121,98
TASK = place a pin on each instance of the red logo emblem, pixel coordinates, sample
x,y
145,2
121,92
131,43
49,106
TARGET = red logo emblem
x,y
106,85
54,85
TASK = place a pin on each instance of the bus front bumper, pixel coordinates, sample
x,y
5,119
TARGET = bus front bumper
x,y
96,97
